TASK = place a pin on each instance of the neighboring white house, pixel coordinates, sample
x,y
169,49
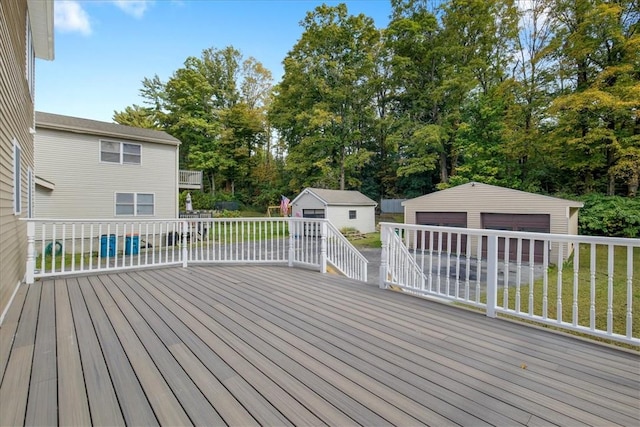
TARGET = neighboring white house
x,y
345,209
26,33
96,170
483,206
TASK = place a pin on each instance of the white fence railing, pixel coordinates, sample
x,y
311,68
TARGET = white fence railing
x,y
580,283
59,247
341,255
189,179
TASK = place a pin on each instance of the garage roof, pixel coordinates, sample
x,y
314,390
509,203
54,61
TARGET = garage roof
x,y
478,189
338,197
110,130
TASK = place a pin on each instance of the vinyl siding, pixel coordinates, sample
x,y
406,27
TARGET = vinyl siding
x,y
16,117
306,201
486,198
365,221
85,187
478,198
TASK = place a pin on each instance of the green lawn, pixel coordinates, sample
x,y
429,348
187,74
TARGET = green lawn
x,y
233,231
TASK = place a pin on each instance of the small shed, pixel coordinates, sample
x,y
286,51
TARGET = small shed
x,y
343,208
484,206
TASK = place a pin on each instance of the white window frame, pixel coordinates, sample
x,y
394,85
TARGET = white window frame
x,y
121,146
30,56
17,178
136,203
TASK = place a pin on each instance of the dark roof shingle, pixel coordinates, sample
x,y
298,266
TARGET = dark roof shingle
x,y
94,127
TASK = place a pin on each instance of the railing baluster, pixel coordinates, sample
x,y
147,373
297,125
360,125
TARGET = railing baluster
x,y
532,274
505,274
576,280
610,289
592,280
559,284
629,316
518,273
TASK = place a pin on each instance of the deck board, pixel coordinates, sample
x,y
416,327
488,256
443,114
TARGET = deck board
x,y
73,405
265,345
166,406
43,401
103,402
14,389
136,409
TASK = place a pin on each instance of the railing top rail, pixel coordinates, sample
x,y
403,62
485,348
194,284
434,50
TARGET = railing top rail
x,y
570,238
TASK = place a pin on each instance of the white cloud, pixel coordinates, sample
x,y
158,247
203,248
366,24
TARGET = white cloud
x,y
70,17
135,8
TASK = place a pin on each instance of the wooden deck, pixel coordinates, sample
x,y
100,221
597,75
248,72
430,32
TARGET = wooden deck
x,y
216,345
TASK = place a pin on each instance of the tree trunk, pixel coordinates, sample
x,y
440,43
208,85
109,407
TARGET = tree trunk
x,y
633,183
444,174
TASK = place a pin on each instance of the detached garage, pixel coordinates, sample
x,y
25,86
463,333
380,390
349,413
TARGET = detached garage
x,y
345,209
483,206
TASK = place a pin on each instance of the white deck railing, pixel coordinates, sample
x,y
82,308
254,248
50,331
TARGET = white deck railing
x,y
59,247
189,179
584,284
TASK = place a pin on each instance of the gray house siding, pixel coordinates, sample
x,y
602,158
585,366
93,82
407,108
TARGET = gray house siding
x,y
85,187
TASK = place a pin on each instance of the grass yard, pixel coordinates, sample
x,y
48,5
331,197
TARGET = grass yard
x,y
234,231
370,240
583,294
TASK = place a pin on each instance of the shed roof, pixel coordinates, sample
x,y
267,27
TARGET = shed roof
x,y
338,197
478,189
94,127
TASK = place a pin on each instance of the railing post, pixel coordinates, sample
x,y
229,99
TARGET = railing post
x,y
185,251
384,261
291,242
31,253
492,275
323,246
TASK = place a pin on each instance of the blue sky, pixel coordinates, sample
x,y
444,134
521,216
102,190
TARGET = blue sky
x,y
103,49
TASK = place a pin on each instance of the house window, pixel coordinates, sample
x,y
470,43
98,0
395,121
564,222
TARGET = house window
x,y
17,178
135,204
30,59
120,152
352,215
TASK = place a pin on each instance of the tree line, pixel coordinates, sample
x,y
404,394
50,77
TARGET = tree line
x,y
536,95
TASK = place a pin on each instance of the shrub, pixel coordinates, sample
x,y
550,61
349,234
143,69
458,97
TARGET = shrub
x,y
612,216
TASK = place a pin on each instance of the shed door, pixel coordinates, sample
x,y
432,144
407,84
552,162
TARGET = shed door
x,y
311,228
443,219
535,223
313,213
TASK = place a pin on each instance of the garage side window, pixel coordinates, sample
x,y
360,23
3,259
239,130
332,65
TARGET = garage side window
x,y
135,204
120,152
17,178
352,215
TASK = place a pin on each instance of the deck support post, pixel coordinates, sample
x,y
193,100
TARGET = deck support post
x,y
492,275
184,249
384,261
292,241
31,253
